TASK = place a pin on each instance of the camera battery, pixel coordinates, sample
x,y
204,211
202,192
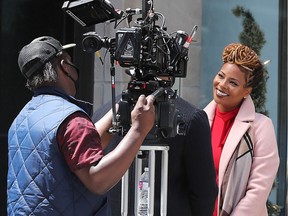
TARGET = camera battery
x,y
128,45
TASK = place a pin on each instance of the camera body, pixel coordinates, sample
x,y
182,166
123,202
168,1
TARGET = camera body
x,y
168,120
148,52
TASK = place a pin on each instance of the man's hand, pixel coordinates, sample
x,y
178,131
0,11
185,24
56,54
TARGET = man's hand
x,y
101,177
143,114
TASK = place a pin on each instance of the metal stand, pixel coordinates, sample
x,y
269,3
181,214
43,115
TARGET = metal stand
x,y
138,171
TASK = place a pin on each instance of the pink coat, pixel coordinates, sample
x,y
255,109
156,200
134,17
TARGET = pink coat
x,y
265,159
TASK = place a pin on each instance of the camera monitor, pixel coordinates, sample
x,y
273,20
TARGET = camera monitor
x,y
91,12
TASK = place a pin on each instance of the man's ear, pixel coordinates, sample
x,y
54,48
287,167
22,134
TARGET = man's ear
x,y
63,65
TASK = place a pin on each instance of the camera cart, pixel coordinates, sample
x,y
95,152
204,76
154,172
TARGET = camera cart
x,y
150,151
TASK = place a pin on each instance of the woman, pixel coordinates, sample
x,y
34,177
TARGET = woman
x,y
244,144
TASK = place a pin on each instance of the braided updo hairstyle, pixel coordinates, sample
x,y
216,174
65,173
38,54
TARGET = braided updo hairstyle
x,y
246,58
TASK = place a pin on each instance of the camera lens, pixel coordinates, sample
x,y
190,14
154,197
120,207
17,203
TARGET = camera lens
x,y
92,43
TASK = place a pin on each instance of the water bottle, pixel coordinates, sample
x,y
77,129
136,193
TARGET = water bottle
x,y
143,193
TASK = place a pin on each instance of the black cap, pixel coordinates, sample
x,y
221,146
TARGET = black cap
x,y
33,56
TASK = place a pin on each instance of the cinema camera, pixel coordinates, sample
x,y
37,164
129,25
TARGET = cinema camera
x,y
147,51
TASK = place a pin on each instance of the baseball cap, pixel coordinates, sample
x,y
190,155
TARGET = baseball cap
x,y
33,56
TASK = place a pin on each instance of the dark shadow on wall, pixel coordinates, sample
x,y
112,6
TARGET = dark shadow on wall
x,y
22,21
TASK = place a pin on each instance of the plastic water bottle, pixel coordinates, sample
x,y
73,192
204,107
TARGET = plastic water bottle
x,y
143,193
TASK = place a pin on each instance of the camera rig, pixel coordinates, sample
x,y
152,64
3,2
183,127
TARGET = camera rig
x,y
147,51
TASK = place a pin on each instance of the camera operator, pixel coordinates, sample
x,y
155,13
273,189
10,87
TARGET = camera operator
x,y
192,187
56,161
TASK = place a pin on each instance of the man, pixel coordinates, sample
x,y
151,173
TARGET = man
x,y
192,188
56,163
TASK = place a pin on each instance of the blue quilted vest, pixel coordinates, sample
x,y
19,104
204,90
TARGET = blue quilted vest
x,y
39,181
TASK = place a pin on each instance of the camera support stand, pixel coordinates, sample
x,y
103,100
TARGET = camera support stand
x,y
138,171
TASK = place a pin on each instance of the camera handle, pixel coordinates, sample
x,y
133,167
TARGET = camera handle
x,y
158,92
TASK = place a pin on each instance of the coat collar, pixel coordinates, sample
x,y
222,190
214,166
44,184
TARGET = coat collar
x,y
242,123
86,106
246,112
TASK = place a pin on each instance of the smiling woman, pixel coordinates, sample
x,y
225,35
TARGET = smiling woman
x,y
230,87
241,71
243,142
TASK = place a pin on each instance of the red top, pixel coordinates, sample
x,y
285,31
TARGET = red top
x,y
79,141
222,124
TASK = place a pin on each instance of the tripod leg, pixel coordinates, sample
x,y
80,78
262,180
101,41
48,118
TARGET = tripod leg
x,y
124,194
151,182
164,180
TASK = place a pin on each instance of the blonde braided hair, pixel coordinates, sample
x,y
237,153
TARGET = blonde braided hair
x,y
245,57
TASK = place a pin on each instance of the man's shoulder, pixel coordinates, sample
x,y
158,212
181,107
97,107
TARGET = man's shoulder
x,y
186,105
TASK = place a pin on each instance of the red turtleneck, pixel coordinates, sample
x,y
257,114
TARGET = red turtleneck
x,y
222,124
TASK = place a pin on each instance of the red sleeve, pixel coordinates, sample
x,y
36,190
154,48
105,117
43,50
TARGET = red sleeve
x,y
79,141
